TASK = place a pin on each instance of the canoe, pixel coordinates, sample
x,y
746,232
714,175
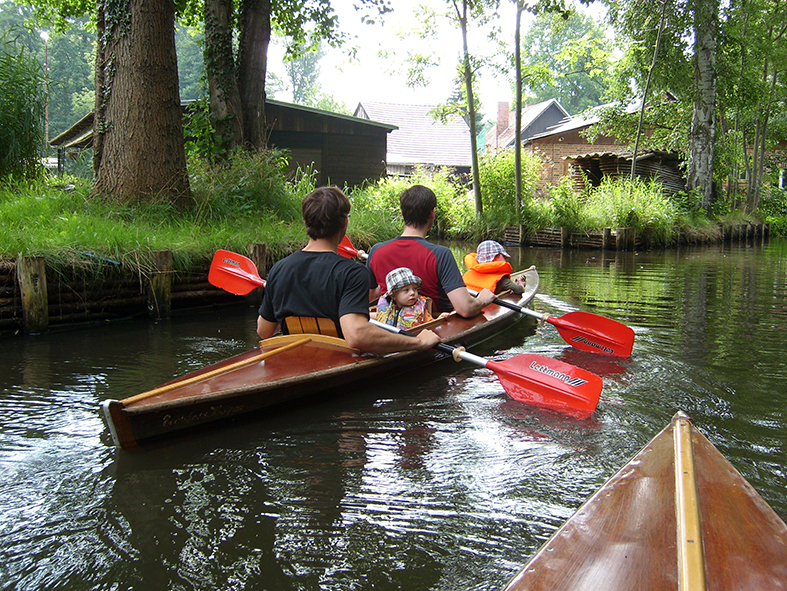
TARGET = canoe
x,y
283,369
677,516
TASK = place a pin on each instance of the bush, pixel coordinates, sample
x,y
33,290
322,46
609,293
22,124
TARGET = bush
x,y
22,108
638,204
497,174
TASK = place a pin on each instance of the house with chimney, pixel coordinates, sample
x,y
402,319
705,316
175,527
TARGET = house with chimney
x,y
536,119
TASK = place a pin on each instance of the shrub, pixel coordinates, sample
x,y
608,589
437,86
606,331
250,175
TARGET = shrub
x,y
497,174
22,108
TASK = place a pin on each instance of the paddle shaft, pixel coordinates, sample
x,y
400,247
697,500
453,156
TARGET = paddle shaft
x,y
456,352
214,372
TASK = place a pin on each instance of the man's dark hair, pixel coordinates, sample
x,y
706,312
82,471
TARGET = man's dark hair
x,y
324,211
417,203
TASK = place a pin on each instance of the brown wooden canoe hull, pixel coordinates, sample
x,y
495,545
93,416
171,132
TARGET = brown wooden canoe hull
x,y
625,535
318,367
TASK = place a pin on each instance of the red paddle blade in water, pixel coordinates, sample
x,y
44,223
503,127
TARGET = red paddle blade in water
x,y
594,333
234,273
549,383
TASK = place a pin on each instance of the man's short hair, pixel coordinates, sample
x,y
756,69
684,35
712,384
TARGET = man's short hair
x,y
324,211
417,203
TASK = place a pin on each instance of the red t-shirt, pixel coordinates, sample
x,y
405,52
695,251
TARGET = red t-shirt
x,y
433,263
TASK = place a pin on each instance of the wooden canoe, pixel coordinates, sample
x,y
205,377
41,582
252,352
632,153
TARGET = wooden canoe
x,y
283,369
677,516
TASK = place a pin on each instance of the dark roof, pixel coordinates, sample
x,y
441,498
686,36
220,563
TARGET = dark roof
x,y
80,135
418,137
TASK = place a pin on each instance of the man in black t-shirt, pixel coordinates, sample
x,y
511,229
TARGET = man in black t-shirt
x,y
318,282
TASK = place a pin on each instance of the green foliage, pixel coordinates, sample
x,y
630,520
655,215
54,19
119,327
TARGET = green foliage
x,y
248,184
637,204
569,207
22,106
245,200
376,214
497,174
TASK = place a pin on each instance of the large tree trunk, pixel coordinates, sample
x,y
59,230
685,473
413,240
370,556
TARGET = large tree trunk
x,y
225,106
255,37
703,124
143,151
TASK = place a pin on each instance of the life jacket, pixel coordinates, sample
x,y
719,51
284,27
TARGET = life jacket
x,y
484,275
406,317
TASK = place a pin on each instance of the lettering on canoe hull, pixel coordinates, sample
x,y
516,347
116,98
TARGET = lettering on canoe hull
x,y
211,414
569,381
600,347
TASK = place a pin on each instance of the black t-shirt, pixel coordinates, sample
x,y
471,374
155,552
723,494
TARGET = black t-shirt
x,y
319,284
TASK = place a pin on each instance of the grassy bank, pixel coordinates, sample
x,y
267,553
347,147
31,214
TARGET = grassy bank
x,y
250,200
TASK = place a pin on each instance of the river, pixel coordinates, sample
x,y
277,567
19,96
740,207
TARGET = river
x,y
429,481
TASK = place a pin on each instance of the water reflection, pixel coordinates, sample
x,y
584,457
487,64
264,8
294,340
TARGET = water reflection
x,y
429,481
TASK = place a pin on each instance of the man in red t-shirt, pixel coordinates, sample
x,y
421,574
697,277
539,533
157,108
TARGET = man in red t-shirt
x,y
434,264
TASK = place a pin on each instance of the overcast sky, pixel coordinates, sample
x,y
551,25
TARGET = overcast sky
x,y
372,77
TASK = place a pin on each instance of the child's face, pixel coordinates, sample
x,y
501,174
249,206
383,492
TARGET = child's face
x,y
408,295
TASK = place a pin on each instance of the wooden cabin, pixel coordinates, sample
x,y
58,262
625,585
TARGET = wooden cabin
x,y
343,149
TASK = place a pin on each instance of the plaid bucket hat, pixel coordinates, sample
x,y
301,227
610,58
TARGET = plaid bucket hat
x,y
399,278
488,249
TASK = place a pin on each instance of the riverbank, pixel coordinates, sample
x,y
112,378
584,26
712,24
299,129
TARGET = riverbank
x,y
35,296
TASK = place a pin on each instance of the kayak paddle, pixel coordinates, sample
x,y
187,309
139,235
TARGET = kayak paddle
x,y
585,331
534,379
234,273
346,249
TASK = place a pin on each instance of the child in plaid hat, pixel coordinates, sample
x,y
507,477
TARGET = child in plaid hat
x,y
402,305
489,268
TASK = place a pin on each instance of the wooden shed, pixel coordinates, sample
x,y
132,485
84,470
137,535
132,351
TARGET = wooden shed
x,y
589,168
343,149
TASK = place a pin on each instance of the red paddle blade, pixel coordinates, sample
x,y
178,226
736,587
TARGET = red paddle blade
x,y
549,383
234,273
594,333
346,248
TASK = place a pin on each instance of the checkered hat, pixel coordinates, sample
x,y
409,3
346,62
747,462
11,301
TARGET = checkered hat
x,y
400,278
488,249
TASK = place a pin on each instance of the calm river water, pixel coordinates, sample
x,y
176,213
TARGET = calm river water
x,y
429,481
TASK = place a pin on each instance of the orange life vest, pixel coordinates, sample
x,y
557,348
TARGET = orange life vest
x,y
484,275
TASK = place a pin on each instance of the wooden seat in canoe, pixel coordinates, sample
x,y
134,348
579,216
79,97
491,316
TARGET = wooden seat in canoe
x,y
310,325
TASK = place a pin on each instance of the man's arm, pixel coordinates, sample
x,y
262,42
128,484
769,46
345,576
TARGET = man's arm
x,y
266,328
467,305
362,335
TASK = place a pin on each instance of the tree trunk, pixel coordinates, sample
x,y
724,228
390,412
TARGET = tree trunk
x,y
255,36
518,117
468,73
225,106
703,126
143,151
99,115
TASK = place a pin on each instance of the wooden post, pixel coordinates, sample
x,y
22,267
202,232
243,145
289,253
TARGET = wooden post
x,y
565,237
606,240
259,255
625,239
160,285
31,275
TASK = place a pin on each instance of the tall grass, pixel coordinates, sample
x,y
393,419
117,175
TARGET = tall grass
x,y
22,107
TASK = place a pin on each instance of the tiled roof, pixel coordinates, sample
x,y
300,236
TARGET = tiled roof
x,y
420,139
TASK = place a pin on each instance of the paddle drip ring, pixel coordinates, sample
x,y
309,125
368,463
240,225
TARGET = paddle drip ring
x,y
456,354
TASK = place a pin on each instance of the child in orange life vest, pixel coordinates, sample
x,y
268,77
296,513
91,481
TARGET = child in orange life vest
x,y
488,268
401,305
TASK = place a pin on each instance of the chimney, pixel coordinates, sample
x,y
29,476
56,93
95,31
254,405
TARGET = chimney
x,y
503,118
